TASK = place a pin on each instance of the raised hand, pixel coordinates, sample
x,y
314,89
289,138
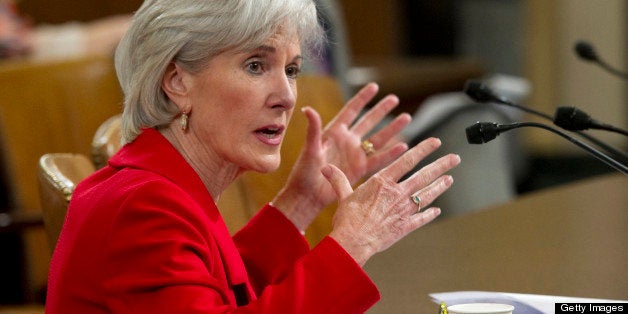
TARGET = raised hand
x,y
340,143
343,138
382,210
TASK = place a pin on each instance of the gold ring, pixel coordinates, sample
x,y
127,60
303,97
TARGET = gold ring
x,y
417,200
368,148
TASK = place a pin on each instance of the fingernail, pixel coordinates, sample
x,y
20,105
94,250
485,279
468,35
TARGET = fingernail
x,y
326,171
449,180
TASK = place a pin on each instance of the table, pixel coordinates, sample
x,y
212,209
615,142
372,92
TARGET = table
x,y
568,241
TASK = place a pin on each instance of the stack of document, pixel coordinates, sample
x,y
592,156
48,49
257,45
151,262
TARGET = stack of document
x,y
523,303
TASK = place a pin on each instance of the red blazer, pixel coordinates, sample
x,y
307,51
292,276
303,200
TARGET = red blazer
x,y
143,235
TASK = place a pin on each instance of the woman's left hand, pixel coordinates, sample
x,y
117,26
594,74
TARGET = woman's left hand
x,y
340,143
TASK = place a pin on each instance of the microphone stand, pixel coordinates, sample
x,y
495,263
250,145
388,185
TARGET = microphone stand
x,y
480,93
574,119
499,128
585,51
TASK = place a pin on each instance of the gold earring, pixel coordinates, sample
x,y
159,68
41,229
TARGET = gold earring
x,y
184,121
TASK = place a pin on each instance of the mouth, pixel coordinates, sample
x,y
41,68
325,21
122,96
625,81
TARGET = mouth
x,y
271,134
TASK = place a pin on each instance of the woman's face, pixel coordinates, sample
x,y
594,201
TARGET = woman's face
x,y
241,104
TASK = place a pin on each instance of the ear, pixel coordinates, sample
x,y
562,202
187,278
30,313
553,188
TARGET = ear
x,y
174,85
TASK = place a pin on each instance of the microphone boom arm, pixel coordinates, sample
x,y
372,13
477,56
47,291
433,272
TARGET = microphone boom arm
x,y
489,131
482,93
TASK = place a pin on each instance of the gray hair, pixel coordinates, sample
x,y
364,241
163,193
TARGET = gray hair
x,y
190,33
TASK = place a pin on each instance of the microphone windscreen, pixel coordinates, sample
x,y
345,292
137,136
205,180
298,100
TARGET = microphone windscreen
x,y
475,134
585,51
572,119
478,91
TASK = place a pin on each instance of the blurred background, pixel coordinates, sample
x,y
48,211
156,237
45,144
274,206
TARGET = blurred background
x,y
418,49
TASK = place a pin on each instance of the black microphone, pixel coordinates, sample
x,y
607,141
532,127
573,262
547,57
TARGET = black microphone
x,y
482,93
586,52
574,119
483,132
479,92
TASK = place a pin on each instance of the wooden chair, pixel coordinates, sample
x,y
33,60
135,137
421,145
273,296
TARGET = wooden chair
x,y
48,106
58,174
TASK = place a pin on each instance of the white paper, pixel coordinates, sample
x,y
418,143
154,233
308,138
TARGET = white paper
x,y
523,303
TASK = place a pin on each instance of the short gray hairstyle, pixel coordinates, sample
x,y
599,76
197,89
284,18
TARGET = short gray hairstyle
x,y
190,33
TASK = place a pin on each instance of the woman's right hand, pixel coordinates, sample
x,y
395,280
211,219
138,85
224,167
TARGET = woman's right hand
x,y
381,211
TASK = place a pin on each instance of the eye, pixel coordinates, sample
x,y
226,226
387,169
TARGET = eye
x,y
255,67
293,71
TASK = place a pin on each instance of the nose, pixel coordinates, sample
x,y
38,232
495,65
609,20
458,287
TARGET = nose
x,y
284,93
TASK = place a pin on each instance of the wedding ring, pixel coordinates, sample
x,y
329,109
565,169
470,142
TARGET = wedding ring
x,y
417,200
368,148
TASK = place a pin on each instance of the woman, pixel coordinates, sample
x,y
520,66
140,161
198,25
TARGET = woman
x,y
210,87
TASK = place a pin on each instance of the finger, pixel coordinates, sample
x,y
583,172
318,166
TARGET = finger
x,y
383,137
423,218
374,116
354,106
338,181
410,159
429,173
314,128
429,193
384,157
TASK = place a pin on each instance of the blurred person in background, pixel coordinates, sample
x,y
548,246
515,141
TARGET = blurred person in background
x,y
18,38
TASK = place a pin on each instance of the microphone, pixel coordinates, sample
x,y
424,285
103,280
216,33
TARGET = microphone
x,y
574,119
586,52
479,92
482,93
483,132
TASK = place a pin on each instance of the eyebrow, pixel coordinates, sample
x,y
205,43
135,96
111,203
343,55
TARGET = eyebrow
x,y
267,48
272,49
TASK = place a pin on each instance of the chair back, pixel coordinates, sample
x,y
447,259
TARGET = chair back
x,y
58,174
107,141
53,106
48,106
